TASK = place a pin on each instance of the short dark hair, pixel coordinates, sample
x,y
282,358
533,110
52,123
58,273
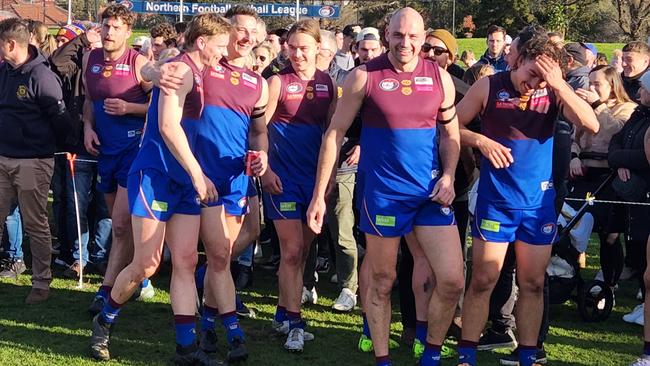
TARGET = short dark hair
x,y
180,27
636,46
241,10
118,11
534,42
166,31
496,29
348,30
280,32
14,29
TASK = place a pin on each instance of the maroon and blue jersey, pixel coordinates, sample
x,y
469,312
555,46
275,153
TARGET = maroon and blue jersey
x,y
231,93
297,126
154,153
115,79
398,133
527,129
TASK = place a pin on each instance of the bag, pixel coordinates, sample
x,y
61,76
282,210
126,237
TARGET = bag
x,y
633,190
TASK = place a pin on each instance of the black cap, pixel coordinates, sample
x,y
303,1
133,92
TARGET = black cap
x,y
349,31
577,51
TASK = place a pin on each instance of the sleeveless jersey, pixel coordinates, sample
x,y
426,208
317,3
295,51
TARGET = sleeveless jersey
x,y
115,79
528,132
399,158
153,152
231,93
296,129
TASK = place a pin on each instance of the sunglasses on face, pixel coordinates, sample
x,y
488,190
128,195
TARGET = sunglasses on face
x,y
426,47
262,58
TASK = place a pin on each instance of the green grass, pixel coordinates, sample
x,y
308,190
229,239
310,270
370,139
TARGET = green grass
x,y
56,332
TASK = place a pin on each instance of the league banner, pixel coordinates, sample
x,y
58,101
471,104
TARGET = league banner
x,y
264,10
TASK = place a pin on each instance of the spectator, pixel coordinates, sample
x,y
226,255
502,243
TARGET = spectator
x,y
264,54
506,49
477,72
617,60
636,61
261,32
591,54
338,33
163,36
33,117
589,166
180,28
279,42
68,32
41,38
601,60
468,58
141,44
556,38
494,54
368,45
12,263
344,57
577,70
441,47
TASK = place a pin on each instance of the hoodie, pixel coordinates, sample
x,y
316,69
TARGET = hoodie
x,y
632,85
578,78
499,63
32,112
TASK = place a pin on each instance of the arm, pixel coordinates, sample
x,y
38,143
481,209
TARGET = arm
x,y
443,191
348,106
612,123
620,157
271,183
646,145
258,136
469,107
88,117
163,75
65,59
170,111
119,107
47,90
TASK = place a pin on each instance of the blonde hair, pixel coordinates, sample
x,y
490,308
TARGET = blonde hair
x,y
614,79
306,26
269,47
477,72
206,24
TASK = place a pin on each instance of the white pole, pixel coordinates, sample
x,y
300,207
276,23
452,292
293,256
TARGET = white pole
x,y
453,19
181,15
297,10
69,12
71,159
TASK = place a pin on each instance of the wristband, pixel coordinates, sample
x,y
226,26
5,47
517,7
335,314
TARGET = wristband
x,y
574,156
596,104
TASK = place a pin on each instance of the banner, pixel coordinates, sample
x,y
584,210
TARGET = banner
x,y
264,10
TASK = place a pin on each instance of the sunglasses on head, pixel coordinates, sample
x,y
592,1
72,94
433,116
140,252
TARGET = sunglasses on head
x,y
426,47
262,58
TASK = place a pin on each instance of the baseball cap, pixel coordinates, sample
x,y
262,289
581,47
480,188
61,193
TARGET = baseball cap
x,y
368,34
141,41
590,47
577,51
71,31
508,39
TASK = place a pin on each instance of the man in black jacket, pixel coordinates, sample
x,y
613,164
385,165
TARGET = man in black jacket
x,y
636,61
33,116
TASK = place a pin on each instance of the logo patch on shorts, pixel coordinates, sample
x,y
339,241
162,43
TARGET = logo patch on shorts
x,y
381,220
489,225
159,206
242,202
548,228
287,206
445,211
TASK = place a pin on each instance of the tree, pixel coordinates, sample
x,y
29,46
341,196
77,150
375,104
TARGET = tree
x,y
633,17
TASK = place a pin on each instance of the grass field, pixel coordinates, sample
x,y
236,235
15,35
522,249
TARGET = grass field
x,y
56,332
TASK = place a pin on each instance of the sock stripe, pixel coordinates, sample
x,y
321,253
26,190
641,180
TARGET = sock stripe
x,y
113,303
467,344
184,319
229,314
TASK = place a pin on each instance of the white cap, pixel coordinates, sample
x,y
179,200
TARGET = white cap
x,y
508,39
141,41
367,34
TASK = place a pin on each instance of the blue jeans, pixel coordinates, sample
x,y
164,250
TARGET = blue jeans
x,y
14,244
85,173
246,257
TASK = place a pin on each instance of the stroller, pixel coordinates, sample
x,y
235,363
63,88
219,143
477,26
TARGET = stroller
x,y
595,300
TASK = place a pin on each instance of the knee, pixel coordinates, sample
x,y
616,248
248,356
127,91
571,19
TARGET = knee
x,y
531,284
293,257
219,260
451,287
145,268
484,281
185,261
122,226
382,281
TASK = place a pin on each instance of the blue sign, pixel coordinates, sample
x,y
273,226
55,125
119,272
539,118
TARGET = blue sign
x,y
264,10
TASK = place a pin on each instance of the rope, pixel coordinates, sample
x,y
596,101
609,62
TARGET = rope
x,y
592,199
77,159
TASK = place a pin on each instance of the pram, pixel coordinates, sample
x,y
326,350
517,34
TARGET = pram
x,y
594,304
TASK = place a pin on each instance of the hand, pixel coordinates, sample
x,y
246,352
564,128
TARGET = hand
x,y
315,214
259,165
550,71
271,183
353,155
496,153
91,140
205,188
443,191
575,168
167,77
624,174
115,106
590,96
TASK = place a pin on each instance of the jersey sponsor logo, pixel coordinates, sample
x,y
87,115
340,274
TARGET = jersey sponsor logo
x,y
407,90
122,67
96,69
159,206
250,79
322,88
287,206
339,91
21,92
388,85
294,88
309,88
489,225
406,82
540,101
133,133
423,80
381,220
234,81
548,229
434,173
503,95
445,211
546,185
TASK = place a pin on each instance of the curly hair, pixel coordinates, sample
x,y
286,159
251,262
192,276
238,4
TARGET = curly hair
x,y
118,11
535,42
166,31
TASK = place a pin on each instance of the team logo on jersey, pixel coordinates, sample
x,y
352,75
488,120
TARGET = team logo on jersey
x,y
503,95
434,173
406,82
309,95
339,91
107,73
407,90
108,67
242,202
294,88
133,133
309,88
21,92
445,211
235,74
388,84
197,199
546,185
197,79
96,69
219,69
234,81
548,229
423,80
